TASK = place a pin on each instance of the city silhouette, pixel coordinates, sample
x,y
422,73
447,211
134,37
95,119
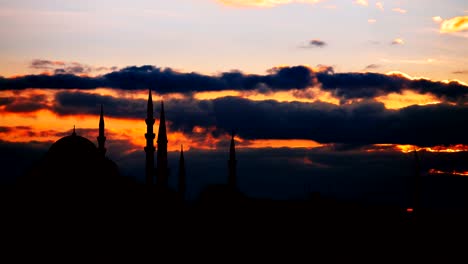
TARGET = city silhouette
x,y
75,175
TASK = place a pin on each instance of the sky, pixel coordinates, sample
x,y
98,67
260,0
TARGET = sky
x,y
303,83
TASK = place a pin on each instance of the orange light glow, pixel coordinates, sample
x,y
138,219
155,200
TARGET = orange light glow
x,y
405,99
262,3
215,94
443,149
454,172
281,143
308,95
455,24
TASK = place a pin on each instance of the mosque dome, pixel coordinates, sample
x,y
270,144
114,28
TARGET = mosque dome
x,y
73,146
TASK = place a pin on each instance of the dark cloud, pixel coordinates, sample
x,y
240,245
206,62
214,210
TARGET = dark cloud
x,y
71,103
345,86
168,81
5,129
6,100
362,123
317,43
372,67
460,72
58,81
26,104
369,85
45,64
60,67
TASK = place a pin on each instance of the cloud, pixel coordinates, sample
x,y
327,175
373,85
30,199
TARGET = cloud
x,y
293,78
371,21
361,123
437,19
455,72
31,103
168,81
361,2
379,6
347,86
6,100
399,10
455,24
317,43
372,67
398,41
60,67
263,3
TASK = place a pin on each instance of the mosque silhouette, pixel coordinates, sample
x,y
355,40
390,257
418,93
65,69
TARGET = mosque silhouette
x,y
76,176
74,164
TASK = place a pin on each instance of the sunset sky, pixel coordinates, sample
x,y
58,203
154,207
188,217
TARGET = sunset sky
x,y
304,77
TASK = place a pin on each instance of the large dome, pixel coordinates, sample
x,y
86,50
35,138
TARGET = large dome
x,y
73,146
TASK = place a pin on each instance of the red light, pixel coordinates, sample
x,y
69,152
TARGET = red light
x,y
409,210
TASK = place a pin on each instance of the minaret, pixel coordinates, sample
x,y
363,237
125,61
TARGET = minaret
x,y
182,183
149,148
162,169
101,138
232,162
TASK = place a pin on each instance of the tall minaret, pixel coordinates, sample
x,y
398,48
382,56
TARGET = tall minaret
x,y
101,138
162,169
149,148
182,182
232,162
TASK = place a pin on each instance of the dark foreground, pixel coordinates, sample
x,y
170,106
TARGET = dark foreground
x,y
79,223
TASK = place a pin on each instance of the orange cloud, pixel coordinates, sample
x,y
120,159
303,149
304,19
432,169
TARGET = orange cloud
x,y
379,5
280,143
398,41
455,24
399,10
263,3
457,173
437,19
362,2
371,21
405,99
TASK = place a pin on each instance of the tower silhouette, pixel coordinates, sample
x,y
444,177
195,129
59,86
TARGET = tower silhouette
x,y
101,138
232,163
182,179
162,168
149,148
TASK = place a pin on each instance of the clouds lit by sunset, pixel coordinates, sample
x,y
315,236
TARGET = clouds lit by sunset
x,y
305,74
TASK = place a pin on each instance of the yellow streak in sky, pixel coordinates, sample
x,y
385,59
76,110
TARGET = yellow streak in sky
x,y
406,98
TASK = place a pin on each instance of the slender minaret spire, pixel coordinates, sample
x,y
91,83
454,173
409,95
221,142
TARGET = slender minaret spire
x,y
101,138
162,169
149,148
74,133
182,183
232,162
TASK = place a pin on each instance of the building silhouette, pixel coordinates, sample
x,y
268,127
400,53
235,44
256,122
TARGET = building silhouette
x,y
162,167
149,148
74,162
